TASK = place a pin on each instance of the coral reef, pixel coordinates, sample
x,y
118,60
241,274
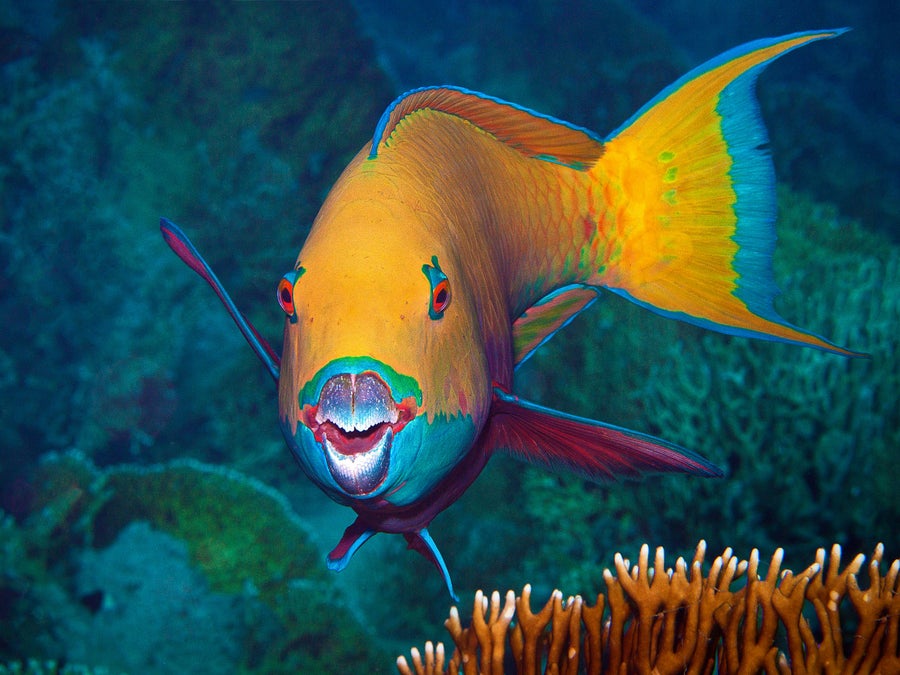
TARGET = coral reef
x,y
109,564
680,620
143,583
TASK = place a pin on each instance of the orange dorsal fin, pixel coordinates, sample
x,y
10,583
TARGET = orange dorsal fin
x,y
532,134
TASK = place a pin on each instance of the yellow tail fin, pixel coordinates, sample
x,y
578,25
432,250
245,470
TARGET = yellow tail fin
x,y
692,188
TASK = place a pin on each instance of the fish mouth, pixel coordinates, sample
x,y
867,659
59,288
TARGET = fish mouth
x,y
355,421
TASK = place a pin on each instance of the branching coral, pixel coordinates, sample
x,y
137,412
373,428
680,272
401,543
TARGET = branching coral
x,y
733,619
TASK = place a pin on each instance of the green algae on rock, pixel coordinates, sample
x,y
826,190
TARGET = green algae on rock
x,y
240,535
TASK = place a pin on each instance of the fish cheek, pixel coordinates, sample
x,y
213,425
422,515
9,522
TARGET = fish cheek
x,y
288,408
297,435
423,459
460,382
308,453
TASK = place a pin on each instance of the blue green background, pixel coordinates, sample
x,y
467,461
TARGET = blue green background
x,y
146,492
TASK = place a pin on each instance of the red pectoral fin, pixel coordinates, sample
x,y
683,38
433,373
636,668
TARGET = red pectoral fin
x,y
591,449
184,248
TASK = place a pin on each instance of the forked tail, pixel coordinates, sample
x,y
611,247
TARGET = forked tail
x,y
691,186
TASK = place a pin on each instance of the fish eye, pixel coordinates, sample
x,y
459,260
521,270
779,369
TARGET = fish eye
x,y
285,292
286,296
440,288
440,297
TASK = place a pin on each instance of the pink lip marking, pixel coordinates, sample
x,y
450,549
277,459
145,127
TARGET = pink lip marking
x,y
355,421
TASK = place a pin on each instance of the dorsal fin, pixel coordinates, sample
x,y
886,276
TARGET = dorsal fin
x,y
531,133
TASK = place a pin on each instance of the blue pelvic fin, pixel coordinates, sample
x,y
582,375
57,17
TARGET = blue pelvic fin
x,y
184,248
422,542
357,534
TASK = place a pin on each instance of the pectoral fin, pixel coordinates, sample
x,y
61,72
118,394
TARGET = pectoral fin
x,y
548,315
184,248
591,449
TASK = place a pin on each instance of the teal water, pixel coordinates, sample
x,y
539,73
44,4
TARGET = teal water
x,y
234,120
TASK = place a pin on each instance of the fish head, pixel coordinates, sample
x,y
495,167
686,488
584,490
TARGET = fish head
x,y
384,382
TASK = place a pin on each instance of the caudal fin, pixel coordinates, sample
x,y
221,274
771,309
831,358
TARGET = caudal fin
x,y
692,189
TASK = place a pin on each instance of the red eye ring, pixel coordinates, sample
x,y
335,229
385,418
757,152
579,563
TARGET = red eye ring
x,y
440,288
440,296
285,295
285,292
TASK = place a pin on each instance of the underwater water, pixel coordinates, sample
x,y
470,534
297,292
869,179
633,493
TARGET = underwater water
x,y
146,494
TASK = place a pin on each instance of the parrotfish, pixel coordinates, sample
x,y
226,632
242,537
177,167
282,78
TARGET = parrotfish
x,y
463,236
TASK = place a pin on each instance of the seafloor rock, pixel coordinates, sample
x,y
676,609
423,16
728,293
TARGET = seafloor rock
x,y
116,567
141,593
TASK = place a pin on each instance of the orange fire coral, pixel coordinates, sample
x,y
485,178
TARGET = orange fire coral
x,y
679,621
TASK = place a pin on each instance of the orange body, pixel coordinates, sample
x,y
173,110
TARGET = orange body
x,y
470,230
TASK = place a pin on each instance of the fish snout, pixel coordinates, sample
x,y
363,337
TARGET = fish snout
x,y
355,421
356,402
